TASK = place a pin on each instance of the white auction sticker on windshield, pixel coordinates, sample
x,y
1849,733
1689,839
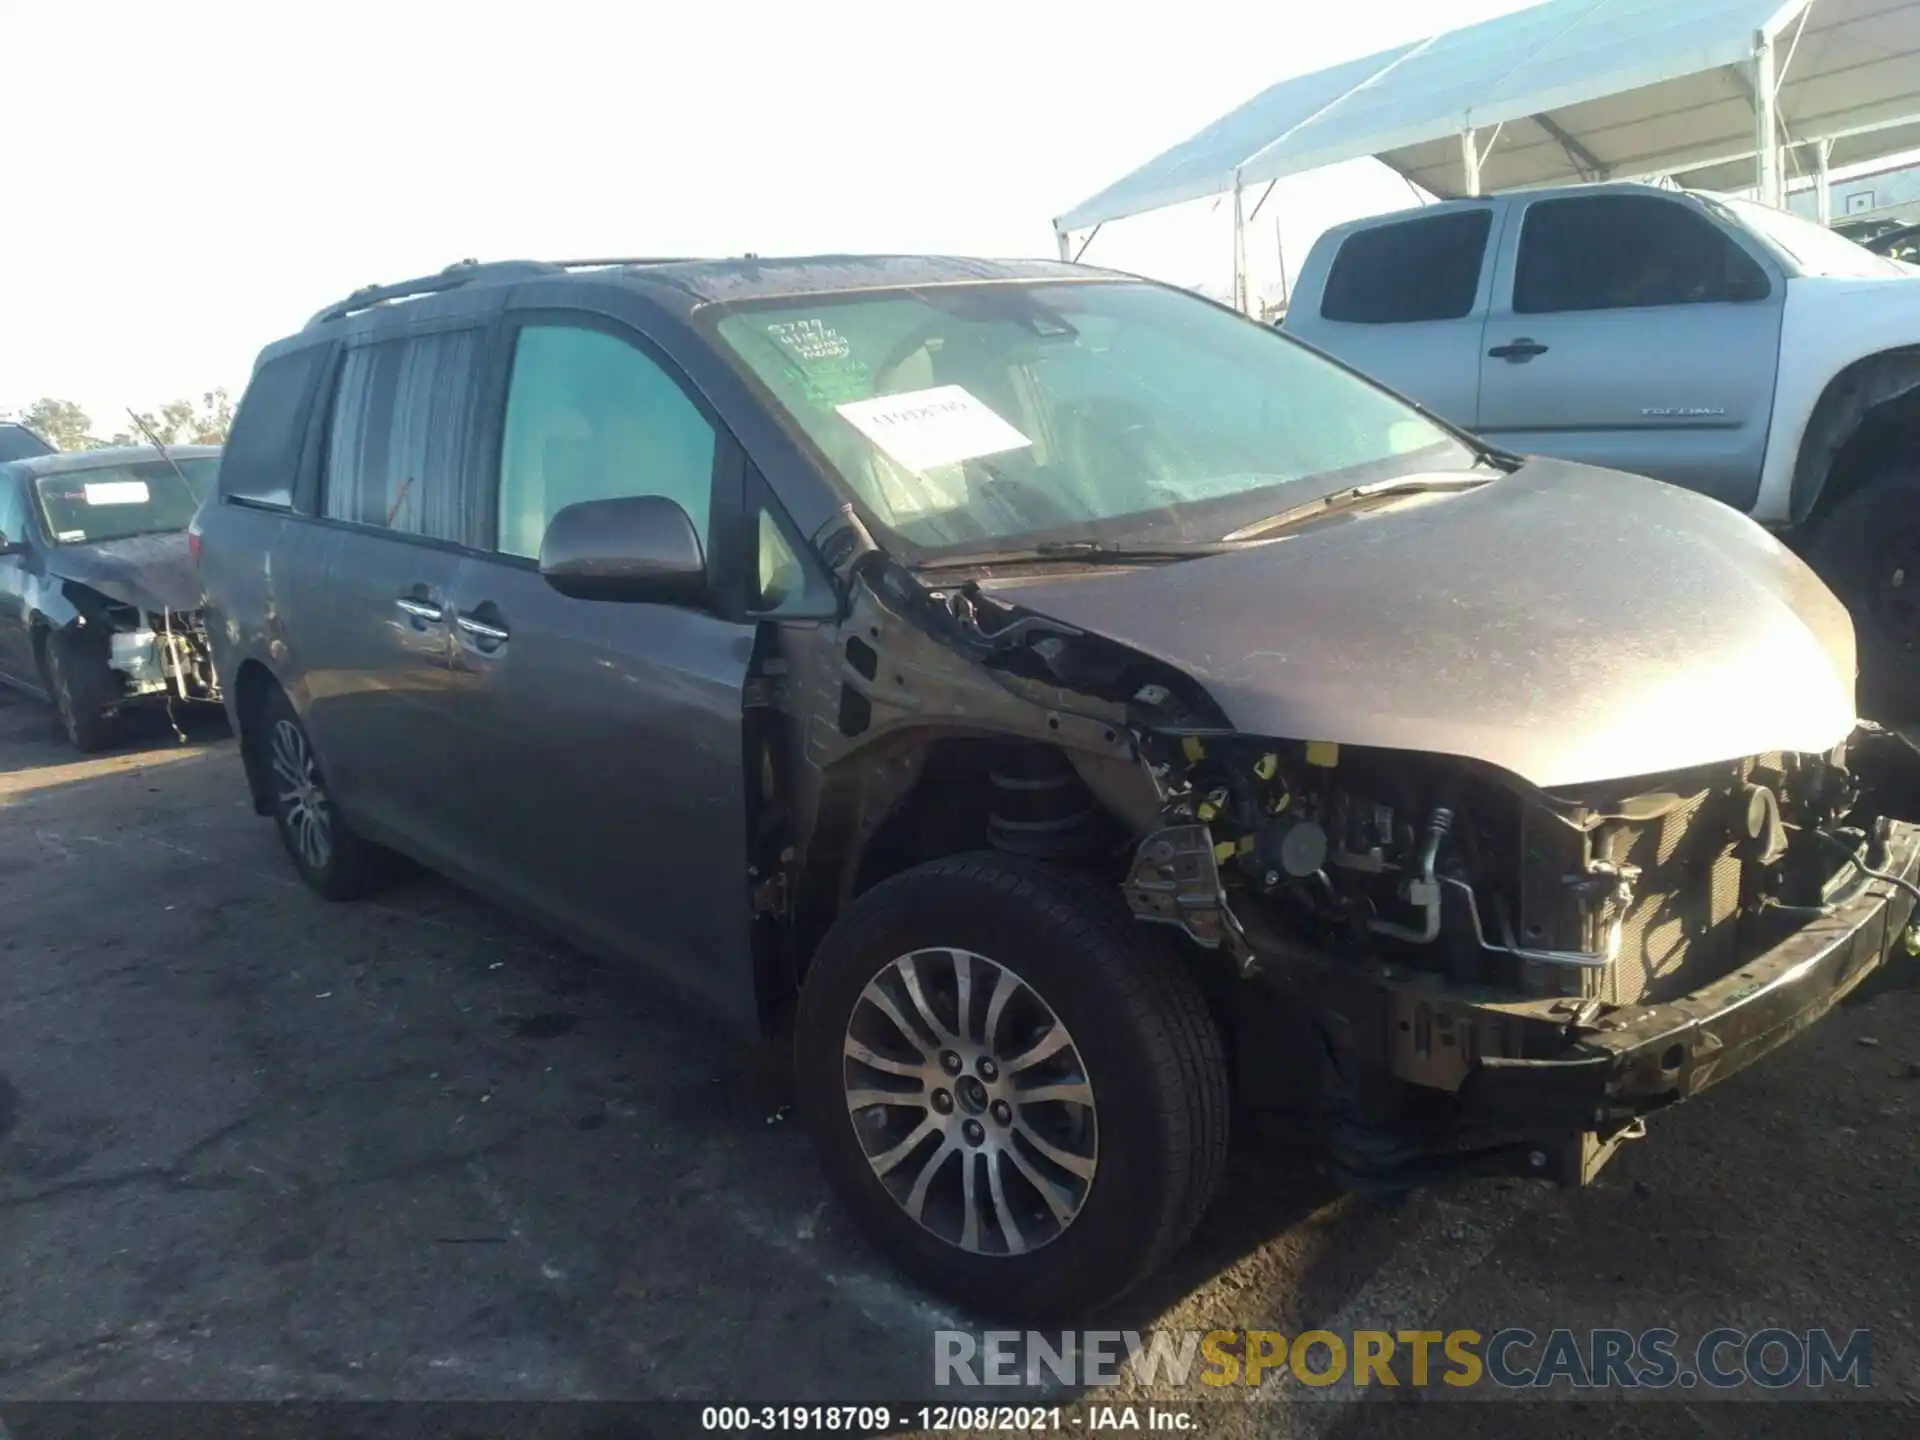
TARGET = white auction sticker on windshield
x,y
117,492
926,428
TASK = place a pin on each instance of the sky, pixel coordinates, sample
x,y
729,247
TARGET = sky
x,y
216,172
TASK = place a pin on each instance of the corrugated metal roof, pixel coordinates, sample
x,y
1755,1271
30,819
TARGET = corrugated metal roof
x,y
1564,91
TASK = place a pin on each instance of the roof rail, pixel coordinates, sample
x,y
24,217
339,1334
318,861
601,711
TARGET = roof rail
x,y
464,272
625,260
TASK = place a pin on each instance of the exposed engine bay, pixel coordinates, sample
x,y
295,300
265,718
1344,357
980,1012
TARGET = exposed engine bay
x,y
161,655
1450,923
1621,894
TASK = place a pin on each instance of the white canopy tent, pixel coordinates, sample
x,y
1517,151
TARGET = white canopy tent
x,y
1719,94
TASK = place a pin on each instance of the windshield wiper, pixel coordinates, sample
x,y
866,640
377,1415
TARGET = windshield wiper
x,y
1356,496
1092,552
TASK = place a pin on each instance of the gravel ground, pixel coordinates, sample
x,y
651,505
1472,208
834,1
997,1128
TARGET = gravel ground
x,y
253,1145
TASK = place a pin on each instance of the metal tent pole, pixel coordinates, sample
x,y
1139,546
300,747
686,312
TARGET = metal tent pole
x,y
1066,244
1469,162
1766,123
1239,249
1823,187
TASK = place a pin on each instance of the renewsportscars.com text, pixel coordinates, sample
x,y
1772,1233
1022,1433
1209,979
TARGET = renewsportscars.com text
x,y
1511,1358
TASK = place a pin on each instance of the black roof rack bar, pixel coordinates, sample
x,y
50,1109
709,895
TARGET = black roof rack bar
x,y
451,278
467,271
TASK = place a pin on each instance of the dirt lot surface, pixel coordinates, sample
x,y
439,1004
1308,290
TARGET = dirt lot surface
x,y
254,1145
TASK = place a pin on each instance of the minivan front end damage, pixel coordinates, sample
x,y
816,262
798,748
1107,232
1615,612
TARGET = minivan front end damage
x,y
1501,976
1426,962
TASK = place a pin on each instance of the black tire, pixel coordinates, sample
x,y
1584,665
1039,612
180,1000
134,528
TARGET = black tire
x,y
334,861
1150,1050
1868,552
83,691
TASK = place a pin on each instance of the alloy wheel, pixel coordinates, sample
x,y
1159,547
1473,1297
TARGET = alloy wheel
x,y
301,797
971,1101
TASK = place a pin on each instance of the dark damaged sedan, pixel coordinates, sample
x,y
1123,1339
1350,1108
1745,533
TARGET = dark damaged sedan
x,y
1072,711
99,603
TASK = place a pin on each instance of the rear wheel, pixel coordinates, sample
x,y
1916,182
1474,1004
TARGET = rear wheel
x,y
82,690
334,860
1868,552
1015,1087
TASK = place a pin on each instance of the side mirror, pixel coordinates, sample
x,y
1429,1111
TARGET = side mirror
x,y
635,548
10,547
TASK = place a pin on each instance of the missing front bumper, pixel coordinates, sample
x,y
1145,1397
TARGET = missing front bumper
x,y
1642,1058
1524,1089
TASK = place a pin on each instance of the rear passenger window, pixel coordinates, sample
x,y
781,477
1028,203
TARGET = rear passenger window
x,y
1425,269
397,448
1618,252
592,417
262,455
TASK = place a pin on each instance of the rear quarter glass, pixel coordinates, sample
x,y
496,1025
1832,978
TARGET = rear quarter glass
x,y
263,451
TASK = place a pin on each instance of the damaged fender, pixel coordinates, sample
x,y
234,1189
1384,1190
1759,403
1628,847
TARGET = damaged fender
x,y
141,594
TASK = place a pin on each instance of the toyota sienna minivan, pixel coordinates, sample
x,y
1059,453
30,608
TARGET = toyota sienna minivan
x,y
1072,713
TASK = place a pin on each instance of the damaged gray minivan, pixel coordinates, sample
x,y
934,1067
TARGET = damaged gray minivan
x,y
1071,711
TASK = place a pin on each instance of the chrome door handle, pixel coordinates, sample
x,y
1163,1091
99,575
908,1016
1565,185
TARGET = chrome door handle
x,y
481,630
421,609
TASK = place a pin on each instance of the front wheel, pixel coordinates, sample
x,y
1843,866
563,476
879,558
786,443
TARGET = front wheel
x,y
1015,1087
334,860
82,691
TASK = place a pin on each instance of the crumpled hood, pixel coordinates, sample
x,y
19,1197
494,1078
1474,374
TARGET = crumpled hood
x,y
153,572
1564,623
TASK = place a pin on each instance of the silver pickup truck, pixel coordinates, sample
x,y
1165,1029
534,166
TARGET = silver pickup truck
x,y
1710,342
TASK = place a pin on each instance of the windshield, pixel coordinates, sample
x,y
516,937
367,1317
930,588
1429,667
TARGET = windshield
x,y
111,502
971,417
1813,248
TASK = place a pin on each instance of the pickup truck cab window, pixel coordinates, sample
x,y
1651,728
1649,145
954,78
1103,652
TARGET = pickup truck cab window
x,y
1617,252
1424,269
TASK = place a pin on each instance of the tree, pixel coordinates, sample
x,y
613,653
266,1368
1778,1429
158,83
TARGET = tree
x,y
65,426
182,422
61,423
215,417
